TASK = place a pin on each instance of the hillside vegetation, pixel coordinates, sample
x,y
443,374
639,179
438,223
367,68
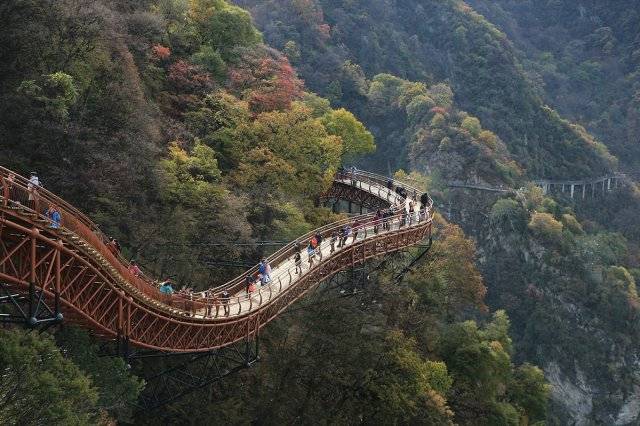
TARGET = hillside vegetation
x,y
182,133
498,93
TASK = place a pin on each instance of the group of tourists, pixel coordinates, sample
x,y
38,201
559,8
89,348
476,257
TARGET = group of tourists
x,y
52,212
261,277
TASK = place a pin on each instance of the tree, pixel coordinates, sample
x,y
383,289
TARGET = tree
x,y
40,386
450,281
117,387
546,227
356,139
56,93
530,392
405,387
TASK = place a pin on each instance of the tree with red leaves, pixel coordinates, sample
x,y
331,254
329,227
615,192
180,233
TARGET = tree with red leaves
x,y
268,83
188,78
160,52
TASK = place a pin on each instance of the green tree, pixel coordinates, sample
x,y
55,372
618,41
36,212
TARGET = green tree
x,y
356,139
117,387
38,385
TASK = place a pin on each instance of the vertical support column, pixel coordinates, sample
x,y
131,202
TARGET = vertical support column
x,y
593,190
609,184
573,187
32,279
58,282
350,207
32,260
584,189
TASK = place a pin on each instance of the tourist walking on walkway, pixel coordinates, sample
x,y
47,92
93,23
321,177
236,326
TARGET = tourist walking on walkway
x,y
297,259
318,247
312,253
225,302
334,238
209,300
32,189
7,188
347,233
134,269
265,271
248,282
411,212
356,229
166,288
55,217
113,246
342,236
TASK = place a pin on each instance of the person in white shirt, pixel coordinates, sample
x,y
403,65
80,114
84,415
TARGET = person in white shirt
x,y
32,187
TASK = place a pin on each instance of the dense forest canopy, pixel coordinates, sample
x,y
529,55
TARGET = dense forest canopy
x,y
190,130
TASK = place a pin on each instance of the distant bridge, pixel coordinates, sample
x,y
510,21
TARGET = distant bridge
x,y
581,188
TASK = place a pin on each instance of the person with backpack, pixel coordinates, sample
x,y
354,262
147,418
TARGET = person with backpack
x,y
334,238
264,270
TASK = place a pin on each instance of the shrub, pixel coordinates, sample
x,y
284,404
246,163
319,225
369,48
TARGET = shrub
x,y
546,227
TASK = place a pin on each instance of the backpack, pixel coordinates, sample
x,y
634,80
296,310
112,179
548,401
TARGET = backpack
x,y
314,242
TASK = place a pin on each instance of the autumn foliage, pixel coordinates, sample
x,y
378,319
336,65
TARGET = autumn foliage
x,y
160,52
267,83
188,78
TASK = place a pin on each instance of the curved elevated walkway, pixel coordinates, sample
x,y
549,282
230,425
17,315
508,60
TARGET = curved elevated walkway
x,y
71,270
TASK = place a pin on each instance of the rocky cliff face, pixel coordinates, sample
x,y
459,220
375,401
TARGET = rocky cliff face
x,y
567,316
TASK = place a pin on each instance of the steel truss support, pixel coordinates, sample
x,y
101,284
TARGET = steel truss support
x,y
30,309
171,376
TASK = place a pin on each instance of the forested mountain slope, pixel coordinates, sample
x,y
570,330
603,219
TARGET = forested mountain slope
x,y
186,137
447,94
584,58
432,41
